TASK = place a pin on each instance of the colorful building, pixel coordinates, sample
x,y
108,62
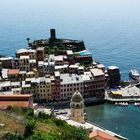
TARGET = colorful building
x,y
19,100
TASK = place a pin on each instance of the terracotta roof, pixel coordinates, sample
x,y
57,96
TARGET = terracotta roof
x,y
13,71
101,135
20,100
14,103
15,95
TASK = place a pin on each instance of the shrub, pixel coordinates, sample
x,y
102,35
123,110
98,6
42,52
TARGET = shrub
x,y
59,123
29,112
43,115
15,109
29,127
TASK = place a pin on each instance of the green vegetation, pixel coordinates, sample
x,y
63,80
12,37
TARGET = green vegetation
x,y
54,50
76,54
37,127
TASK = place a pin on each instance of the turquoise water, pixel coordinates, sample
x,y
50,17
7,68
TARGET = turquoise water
x,y
109,28
122,120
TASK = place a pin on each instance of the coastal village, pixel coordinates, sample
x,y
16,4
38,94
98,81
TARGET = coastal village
x,y
51,71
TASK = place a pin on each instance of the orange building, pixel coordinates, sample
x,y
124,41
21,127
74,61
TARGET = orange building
x,y
13,74
19,100
101,135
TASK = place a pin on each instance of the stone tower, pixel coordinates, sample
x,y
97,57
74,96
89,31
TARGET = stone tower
x,y
52,35
77,108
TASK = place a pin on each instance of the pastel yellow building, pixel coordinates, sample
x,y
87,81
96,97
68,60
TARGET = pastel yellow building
x,y
41,88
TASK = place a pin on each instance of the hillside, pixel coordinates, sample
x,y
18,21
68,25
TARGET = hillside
x,y
26,125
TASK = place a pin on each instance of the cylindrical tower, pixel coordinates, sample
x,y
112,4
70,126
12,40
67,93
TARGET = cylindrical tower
x,y
77,108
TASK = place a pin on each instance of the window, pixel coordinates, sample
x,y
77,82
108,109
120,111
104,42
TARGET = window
x,y
77,105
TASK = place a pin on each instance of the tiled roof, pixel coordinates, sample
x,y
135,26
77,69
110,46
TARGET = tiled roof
x,y
13,71
100,135
14,103
96,72
21,50
71,78
16,100
15,95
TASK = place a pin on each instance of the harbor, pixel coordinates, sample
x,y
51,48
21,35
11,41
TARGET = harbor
x,y
56,72
76,116
122,96
111,33
119,119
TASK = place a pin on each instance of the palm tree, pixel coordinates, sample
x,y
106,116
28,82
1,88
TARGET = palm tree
x,y
28,40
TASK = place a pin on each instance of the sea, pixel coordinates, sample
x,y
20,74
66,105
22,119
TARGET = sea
x,y
109,28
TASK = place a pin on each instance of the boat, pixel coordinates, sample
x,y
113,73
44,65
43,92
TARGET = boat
x,y
134,74
135,104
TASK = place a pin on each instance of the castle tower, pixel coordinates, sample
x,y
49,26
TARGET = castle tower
x,y
52,35
77,108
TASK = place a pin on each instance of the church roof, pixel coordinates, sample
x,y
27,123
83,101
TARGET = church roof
x,y
77,97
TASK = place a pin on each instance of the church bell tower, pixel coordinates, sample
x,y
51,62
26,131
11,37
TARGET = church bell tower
x,y
77,108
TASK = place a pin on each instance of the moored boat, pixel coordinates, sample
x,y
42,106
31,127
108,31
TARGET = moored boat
x,y
134,74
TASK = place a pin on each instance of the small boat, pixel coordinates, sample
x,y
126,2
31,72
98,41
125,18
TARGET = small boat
x,y
126,104
138,104
134,74
135,104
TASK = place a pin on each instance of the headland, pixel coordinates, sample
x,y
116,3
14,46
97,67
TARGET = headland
x,y
48,71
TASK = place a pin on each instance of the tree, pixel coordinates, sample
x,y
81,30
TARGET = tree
x,y
74,133
36,136
28,39
12,136
29,127
43,115
29,112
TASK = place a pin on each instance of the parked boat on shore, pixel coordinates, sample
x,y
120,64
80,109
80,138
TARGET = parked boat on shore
x,y
134,74
124,104
137,104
